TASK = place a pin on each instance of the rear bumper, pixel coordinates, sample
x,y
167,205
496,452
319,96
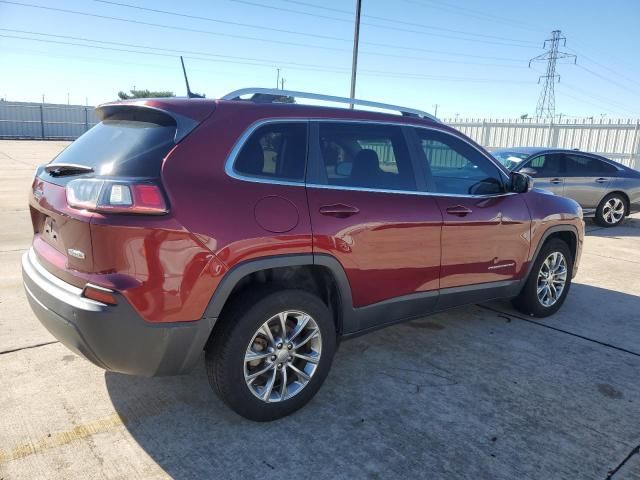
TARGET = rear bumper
x,y
113,337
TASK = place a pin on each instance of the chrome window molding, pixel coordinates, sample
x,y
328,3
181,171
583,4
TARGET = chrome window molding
x,y
231,158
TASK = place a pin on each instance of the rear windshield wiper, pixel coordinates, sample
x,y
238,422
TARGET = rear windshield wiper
x,y
60,169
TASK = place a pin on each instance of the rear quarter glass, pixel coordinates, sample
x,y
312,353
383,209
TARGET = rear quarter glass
x,y
126,144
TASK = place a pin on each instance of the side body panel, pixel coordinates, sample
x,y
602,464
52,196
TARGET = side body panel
x,y
223,212
489,244
389,249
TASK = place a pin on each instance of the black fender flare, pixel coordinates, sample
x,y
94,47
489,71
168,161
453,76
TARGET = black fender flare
x,y
547,233
346,319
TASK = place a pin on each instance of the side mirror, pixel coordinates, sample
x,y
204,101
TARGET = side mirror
x,y
521,182
528,171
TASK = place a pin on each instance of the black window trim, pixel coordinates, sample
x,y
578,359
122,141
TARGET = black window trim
x,y
592,157
312,153
533,156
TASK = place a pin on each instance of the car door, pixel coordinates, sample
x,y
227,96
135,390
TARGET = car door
x,y
587,179
366,212
485,229
547,170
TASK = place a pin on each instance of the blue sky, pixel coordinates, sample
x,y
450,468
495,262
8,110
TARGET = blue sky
x,y
469,57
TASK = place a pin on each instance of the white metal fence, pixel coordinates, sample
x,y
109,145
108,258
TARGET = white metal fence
x,y
45,120
618,140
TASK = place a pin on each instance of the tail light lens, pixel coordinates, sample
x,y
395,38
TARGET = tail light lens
x,y
116,196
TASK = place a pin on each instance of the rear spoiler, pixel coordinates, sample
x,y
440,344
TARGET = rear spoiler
x,y
184,125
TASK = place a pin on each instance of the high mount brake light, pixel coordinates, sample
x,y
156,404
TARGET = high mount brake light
x,y
116,196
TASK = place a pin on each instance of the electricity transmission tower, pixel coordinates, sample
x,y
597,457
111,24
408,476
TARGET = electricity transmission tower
x,y
547,101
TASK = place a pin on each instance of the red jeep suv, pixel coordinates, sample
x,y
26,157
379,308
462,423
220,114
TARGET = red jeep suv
x,y
262,231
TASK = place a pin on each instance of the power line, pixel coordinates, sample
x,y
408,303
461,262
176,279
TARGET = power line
x,y
401,22
223,22
547,101
260,39
267,63
606,108
606,100
174,54
172,27
606,79
404,30
585,57
611,57
475,14
85,39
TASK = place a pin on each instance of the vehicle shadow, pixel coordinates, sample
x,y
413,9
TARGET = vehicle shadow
x,y
400,396
629,228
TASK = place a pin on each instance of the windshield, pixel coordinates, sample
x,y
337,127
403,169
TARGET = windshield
x,y
510,159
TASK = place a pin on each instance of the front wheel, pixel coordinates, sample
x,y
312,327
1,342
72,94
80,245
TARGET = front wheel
x,y
549,281
272,353
611,210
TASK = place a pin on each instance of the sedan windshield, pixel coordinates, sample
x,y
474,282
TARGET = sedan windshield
x,y
510,159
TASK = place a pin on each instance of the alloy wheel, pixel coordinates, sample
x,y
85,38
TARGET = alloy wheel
x,y
613,210
282,356
552,279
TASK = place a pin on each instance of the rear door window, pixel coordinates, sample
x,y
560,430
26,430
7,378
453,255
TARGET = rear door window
x,y
581,166
365,155
276,151
127,144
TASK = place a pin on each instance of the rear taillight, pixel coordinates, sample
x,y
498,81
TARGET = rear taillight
x,y
116,196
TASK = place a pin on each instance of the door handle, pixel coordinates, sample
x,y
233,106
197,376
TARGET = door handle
x,y
459,210
339,210
602,180
556,181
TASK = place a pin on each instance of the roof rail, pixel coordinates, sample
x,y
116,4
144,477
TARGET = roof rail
x,y
270,95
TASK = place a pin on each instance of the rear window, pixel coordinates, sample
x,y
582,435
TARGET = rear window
x,y
275,151
127,144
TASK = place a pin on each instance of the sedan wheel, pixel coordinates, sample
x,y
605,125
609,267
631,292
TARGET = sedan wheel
x,y
611,210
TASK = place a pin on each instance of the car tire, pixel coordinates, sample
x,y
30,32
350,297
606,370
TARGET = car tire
x,y
611,210
241,335
537,297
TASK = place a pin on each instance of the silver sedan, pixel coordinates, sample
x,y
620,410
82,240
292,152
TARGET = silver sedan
x,y
604,189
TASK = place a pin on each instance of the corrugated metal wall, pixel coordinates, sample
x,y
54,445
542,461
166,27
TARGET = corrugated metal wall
x,y
616,139
45,120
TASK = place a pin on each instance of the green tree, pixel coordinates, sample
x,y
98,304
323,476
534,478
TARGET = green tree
x,y
144,94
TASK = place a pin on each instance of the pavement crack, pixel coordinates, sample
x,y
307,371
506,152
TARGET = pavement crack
x,y
566,332
633,452
28,347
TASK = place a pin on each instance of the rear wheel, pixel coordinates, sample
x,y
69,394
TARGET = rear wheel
x,y
611,210
272,353
549,281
